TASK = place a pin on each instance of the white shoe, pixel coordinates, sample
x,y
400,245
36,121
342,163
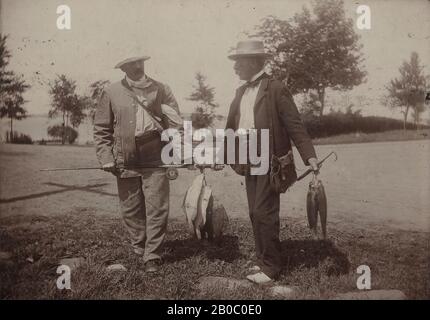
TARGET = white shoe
x,y
254,269
259,278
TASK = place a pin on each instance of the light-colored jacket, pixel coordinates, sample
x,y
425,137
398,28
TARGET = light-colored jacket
x,y
115,120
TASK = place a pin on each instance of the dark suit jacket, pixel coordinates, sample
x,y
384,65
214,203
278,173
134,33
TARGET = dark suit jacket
x,y
287,124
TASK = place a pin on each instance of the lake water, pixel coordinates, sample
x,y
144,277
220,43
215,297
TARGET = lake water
x,y
37,126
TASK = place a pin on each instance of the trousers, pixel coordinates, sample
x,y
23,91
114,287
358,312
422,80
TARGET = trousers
x,y
144,207
264,206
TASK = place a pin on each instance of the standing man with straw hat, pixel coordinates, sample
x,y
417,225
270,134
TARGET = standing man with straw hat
x,y
264,103
128,121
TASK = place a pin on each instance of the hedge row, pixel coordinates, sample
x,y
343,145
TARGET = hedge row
x,y
344,123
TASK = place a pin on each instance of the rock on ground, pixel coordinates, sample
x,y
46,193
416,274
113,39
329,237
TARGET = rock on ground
x,y
5,259
207,283
372,295
283,291
116,267
5,255
73,263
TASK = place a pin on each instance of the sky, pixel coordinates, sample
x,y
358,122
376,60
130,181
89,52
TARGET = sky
x,y
183,37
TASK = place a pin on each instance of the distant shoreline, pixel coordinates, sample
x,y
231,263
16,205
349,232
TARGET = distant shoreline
x,y
351,138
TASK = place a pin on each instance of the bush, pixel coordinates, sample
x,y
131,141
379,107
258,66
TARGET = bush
x,y
202,118
58,131
19,138
336,123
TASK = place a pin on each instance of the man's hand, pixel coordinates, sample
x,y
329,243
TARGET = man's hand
x,y
313,162
110,167
217,167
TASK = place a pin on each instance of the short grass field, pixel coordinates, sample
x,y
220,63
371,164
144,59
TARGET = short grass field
x,y
378,216
319,269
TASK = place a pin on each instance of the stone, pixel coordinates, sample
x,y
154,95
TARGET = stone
x,y
116,267
6,259
5,255
283,291
372,295
206,283
73,263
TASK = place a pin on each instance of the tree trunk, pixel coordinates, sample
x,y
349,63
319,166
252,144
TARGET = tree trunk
x,y
11,130
67,125
321,96
405,117
64,130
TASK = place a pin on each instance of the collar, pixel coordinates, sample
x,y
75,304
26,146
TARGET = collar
x,y
256,76
141,83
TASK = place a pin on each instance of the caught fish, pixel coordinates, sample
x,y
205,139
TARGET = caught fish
x,y
322,208
202,207
216,219
191,202
206,216
316,205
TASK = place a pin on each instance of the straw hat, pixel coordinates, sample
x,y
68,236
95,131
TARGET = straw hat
x,y
133,59
249,48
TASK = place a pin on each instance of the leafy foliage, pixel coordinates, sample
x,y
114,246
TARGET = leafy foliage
x,y
12,88
65,133
336,123
314,50
19,138
67,103
409,90
204,113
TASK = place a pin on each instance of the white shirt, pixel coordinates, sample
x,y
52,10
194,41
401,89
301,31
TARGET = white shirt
x,y
144,122
246,120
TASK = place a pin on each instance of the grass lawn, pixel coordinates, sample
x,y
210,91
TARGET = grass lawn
x,y
320,269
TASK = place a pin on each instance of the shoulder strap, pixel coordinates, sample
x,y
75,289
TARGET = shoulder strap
x,y
153,117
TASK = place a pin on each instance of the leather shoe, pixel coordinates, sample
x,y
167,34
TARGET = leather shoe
x,y
260,278
153,266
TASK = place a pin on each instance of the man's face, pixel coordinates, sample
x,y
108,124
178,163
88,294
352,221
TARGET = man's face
x,y
245,67
134,70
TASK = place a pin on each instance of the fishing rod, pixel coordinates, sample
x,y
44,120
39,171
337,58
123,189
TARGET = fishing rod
x,y
171,173
319,165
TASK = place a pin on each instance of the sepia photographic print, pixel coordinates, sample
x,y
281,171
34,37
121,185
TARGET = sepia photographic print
x,y
214,154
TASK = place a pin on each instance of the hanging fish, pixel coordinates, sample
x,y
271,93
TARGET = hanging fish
x,y
206,216
322,208
191,201
216,219
312,207
316,204
202,207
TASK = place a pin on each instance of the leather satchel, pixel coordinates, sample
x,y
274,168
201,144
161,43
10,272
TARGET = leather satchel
x,y
282,168
282,172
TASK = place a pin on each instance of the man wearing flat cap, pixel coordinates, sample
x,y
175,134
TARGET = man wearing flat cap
x,y
128,122
265,103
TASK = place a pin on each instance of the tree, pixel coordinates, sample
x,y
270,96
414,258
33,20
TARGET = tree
x,y
96,89
314,51
67,103
57,131
12,87
408,91
204,113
